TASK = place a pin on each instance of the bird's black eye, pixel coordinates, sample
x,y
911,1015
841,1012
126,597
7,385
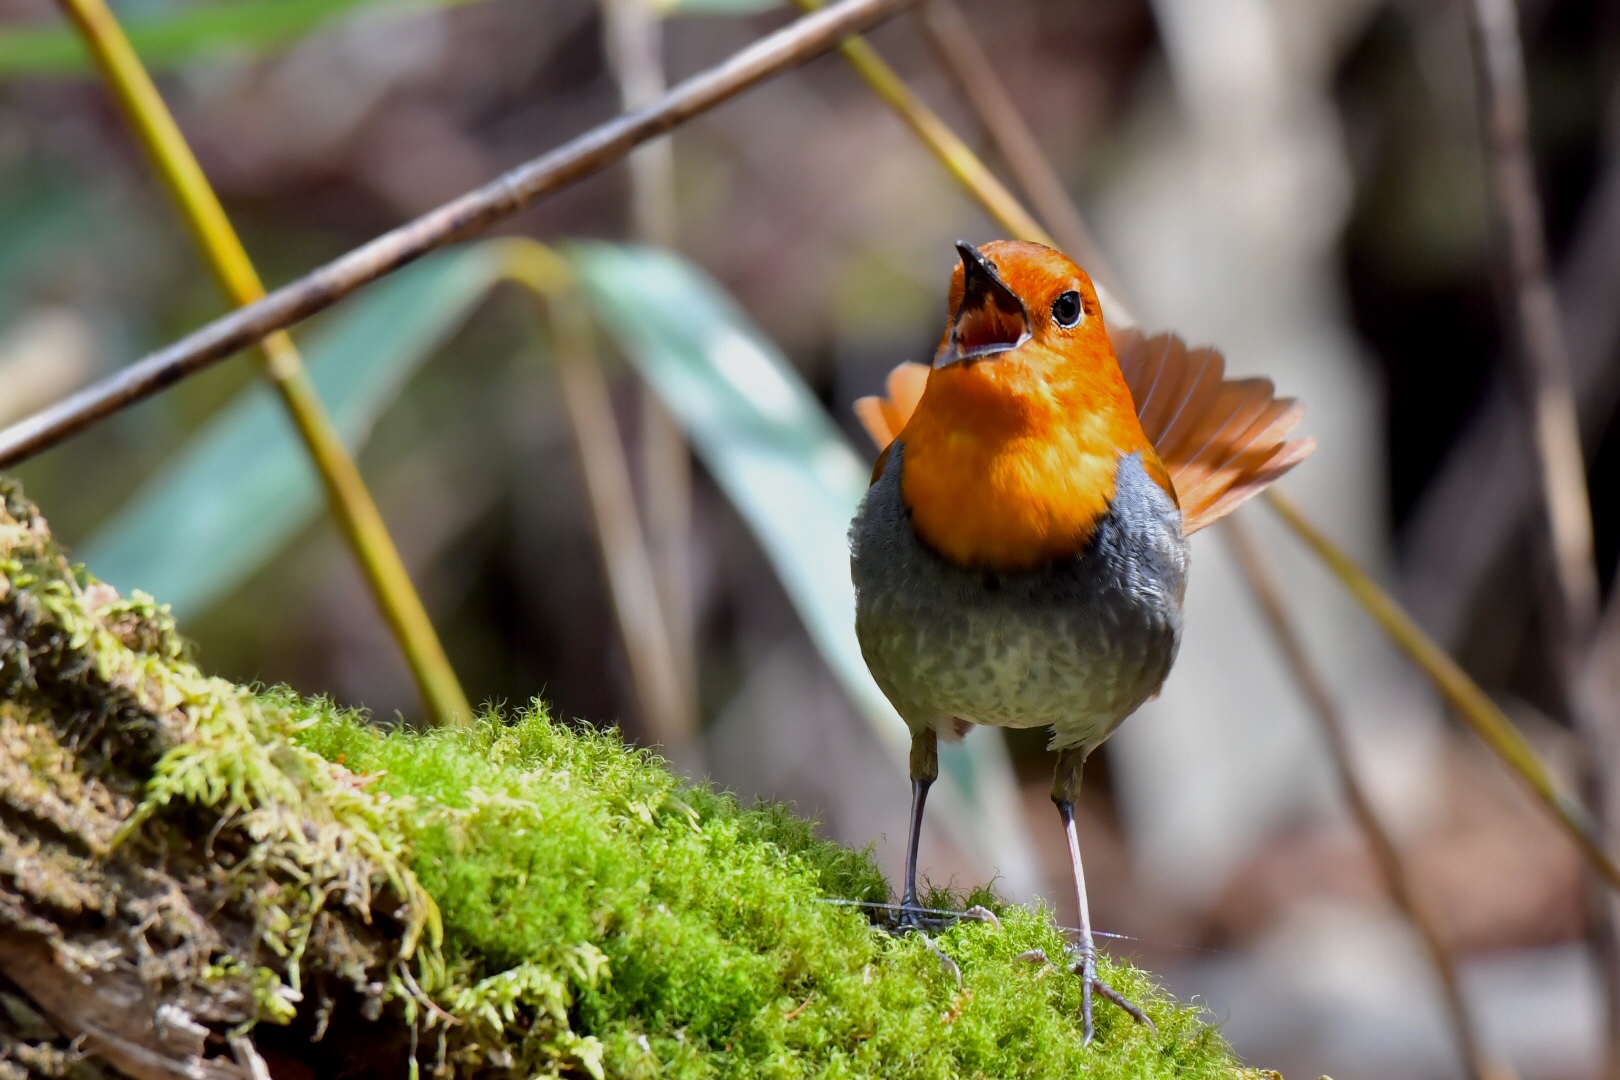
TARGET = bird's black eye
x,y
1066,309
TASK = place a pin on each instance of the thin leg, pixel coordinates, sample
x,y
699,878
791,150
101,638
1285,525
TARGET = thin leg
x,y
1087,946
919,795
924,771
1064,788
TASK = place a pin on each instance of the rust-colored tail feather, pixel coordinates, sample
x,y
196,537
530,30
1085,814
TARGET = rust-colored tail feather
x,y
885,417
1223,440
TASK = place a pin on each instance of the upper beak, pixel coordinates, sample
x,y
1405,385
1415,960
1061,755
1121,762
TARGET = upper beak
x,y
991,318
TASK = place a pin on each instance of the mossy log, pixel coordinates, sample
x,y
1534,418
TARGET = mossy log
x,y
206,881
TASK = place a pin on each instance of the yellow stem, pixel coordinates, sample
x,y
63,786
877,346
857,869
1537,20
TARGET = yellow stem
x,y
1475,707
351,502
1472,703
947,146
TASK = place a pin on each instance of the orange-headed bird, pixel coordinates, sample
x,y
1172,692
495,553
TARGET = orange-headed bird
x,y
1021,556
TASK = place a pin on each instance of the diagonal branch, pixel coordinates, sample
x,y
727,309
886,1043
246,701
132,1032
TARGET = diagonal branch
x,y
1475,707
946,145
603,145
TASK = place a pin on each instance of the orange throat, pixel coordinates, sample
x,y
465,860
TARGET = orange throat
x,y
1009,465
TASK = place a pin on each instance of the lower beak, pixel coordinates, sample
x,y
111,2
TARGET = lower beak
x,y
991,318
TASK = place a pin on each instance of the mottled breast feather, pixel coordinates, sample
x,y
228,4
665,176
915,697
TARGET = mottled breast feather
x,y
1076,645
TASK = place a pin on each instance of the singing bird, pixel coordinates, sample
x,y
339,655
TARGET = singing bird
x,y
1020,558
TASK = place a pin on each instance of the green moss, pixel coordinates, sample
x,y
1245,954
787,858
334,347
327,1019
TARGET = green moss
x,y
680,935
518,899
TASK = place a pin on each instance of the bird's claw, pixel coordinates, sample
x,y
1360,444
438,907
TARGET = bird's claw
x,y
943,957
913,920
980,913
1085,966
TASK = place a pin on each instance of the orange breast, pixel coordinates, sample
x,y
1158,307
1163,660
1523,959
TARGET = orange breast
x,y
1009,462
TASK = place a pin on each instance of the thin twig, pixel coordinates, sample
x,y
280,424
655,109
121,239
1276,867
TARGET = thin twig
x,y
351,503
633,31
607,486
1463,524
958,159
948,34
1262,581
603,145
1548,406
1548,401
946,145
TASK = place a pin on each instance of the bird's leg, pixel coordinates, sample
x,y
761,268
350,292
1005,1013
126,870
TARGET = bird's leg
x,y
1065,786
924,771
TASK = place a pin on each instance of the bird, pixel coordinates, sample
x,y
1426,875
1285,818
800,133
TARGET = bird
x,y
1020,557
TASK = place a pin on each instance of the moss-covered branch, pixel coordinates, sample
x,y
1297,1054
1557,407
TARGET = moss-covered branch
x,y
201,880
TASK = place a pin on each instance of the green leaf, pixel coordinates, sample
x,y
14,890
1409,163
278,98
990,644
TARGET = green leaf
x,y
186,34
243,486
793,476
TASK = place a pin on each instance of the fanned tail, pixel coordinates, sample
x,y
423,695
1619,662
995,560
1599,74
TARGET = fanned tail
x,y
1223,440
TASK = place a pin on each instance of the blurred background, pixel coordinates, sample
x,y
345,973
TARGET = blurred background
x,y
1298,181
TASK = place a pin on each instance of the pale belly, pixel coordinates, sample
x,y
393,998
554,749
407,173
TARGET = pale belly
x,y
1075,647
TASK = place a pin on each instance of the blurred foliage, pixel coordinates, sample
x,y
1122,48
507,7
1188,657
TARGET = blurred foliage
x,y
237,27
188,33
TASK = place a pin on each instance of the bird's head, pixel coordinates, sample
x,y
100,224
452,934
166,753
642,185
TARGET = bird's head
x,y
1011,452
1021,302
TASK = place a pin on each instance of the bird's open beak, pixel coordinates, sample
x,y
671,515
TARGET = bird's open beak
x,y
991,319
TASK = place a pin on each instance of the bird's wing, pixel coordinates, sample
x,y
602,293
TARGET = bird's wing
x,y
885,417
1222,440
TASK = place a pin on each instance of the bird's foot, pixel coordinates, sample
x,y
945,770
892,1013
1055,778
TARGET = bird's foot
x,y
914,919
1085,965
944,958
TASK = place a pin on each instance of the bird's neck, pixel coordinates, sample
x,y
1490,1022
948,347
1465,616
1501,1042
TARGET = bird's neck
x,y
1011,467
